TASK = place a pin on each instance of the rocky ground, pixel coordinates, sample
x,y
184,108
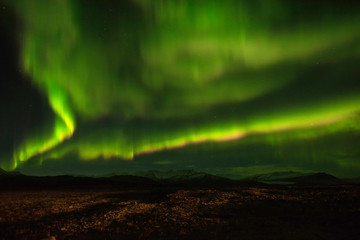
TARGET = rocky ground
x,y
236,213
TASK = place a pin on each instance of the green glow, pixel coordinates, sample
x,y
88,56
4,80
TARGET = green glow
x,y
179,63
299,123
45,70
63,128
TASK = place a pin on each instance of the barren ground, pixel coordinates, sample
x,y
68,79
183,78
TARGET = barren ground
x,y
236,213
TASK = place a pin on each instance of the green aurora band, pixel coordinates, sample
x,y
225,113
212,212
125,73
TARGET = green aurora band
x,y
125,78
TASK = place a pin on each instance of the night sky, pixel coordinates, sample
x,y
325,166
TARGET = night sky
x,y
233,86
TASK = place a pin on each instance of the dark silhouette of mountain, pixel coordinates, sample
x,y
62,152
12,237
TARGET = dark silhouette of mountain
x,y
2,172
11,173
315,179
191,178
351,180
158,179
212,181
151,179
291,177
276,177
162,175
69,182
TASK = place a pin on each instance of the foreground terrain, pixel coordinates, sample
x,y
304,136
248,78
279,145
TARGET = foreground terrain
x,y
274,212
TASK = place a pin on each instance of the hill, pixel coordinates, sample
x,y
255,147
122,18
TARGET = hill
x,y
158,179
299,178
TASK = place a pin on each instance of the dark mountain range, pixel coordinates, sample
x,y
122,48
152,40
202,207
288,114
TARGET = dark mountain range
x,y
2,172
315,179
12,173
19,181
299,178
277,177
151,179
191,178
156,179
174,175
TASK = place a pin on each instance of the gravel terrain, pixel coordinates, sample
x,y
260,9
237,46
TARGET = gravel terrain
x,y
276,212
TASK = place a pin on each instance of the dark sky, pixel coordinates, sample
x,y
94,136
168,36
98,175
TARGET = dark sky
x,y
233,87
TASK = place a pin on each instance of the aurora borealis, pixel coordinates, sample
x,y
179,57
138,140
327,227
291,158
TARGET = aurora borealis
x,y
209,85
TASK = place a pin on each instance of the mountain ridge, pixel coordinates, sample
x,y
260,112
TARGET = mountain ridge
x,y
173,178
